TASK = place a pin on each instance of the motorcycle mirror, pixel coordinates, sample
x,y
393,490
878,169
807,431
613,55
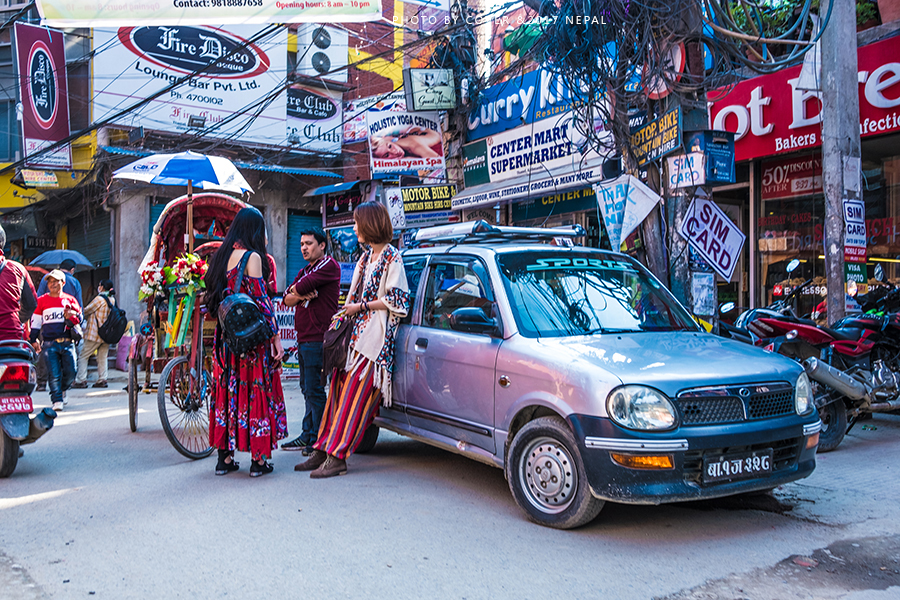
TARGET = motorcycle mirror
x,y
792,266
879,273
726,307
852,289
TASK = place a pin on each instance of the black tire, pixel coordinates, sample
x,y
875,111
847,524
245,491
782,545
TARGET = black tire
x,y
134,388
185,417
834,425
569,503
369,439
9,454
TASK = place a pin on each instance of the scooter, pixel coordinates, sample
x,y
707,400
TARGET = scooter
x,y
17,382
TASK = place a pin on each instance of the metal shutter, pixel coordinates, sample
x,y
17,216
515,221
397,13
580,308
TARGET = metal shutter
x,y
155,211
96,242
297,222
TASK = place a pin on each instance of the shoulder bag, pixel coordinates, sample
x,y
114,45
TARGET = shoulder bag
x,y
336,342
242,322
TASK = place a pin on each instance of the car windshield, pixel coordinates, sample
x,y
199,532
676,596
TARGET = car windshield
x,y
557,294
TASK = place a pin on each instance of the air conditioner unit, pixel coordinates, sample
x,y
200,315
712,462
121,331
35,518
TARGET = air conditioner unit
x,y
321,50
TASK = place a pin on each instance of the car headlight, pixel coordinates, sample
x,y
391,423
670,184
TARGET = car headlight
x,y
639,407
803,395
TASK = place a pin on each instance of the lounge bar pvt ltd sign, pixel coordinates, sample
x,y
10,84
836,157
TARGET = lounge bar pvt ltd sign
x,y
45,106
139,61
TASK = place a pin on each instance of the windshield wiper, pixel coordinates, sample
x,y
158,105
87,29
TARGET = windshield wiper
x,y
610,330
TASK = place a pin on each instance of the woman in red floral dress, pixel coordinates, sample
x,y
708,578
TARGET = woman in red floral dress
x,y
247,410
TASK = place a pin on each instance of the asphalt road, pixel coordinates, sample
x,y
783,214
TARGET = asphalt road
x,y
94,510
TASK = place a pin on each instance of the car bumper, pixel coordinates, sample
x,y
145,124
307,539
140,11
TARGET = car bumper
x,y
599,438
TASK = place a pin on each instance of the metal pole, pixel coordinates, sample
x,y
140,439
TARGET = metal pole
x,y
190,216
840,141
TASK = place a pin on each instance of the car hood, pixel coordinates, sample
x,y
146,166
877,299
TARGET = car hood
x,y
674,361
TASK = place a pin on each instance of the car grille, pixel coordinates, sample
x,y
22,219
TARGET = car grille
x,y
784,456
733,404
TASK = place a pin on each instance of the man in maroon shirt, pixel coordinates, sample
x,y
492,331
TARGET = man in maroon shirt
x,y
17,297
315,294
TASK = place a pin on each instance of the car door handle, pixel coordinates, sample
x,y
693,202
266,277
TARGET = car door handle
x,y
422,343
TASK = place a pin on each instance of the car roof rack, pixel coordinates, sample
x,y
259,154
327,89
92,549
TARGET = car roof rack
x,y
482,232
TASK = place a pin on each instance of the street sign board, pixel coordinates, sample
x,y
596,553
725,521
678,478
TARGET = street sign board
x,y
713,235
657,138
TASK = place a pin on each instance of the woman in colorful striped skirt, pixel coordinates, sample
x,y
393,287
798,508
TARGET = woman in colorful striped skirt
x,y
379,298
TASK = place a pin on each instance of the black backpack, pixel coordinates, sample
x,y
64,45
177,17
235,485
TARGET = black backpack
x,y
240,319
115,325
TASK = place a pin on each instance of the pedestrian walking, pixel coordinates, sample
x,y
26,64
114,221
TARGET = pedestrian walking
x,y
379,298
18,299
247,408
314,294
56,316
72,287
95,315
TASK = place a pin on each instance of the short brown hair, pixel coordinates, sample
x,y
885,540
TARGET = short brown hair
x,y
373,223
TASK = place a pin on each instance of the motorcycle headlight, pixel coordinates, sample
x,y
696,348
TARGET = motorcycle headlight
x,y
639,407
803,396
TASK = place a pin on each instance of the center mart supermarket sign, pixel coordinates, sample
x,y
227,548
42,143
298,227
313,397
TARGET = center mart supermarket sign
x,y
527,98
139,61
530,150
769,115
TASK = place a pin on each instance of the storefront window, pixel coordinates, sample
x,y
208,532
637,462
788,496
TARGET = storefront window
x,y
792,224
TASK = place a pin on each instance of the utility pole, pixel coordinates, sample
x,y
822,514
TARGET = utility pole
x,y
840,142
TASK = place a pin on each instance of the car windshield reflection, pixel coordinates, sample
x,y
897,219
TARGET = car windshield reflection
x,y
555,294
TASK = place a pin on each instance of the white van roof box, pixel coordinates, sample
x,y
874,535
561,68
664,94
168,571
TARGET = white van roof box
x,y
482,232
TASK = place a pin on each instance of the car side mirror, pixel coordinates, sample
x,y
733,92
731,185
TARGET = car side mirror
x,y
472,320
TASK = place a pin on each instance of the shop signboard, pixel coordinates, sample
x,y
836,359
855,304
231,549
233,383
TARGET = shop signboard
x,y
429,89
713,235
686,170
527,186
791,178
855,231
84,13
530,151
427,219
339,206
33,242
314,119
138,62
555,204
32,178
427,198
657,138
769,115
525,99
405,141
393,199
41,57
356,128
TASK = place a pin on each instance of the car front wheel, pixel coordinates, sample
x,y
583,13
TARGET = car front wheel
x,y
547,478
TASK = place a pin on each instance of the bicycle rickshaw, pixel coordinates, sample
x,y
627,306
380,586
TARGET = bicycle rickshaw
x,y
177,338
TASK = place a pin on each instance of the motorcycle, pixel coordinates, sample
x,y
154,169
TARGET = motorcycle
x,y
17,382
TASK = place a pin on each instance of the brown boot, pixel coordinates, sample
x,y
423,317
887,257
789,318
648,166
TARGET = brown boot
x,y
331,467
315,460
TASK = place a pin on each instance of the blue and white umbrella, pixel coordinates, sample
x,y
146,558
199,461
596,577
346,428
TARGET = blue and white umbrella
x,y
186,168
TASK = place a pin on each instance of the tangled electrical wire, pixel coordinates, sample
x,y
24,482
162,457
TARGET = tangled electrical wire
x,y
638,54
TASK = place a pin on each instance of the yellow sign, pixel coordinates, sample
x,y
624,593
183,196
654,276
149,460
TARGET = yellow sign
x,y
33,178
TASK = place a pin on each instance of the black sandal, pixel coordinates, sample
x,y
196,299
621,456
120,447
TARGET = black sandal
x,y
257,470
224,468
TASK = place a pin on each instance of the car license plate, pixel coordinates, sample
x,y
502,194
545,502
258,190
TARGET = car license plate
x,y
15,404
729,467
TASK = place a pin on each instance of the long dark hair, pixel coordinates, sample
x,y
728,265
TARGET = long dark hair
x,y
249,230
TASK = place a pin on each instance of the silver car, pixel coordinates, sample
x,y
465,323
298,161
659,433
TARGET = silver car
x,y
576,372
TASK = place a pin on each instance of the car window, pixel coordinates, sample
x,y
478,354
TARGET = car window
x,y
413,268
453,285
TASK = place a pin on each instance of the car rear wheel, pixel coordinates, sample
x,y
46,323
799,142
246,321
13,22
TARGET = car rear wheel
x,y
369,439
547,478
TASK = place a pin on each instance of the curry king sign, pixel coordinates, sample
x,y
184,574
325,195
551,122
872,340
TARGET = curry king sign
x,y
769,115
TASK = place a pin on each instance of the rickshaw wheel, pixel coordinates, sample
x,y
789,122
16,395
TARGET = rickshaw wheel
x,y
185,416
133,391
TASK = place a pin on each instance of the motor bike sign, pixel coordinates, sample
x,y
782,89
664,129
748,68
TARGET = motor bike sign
x,y
713,235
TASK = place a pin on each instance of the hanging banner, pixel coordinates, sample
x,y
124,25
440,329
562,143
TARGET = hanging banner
x,y
625,202
41,56
855,238
84,13
393,199
314,119
713,235
136,62
404,141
